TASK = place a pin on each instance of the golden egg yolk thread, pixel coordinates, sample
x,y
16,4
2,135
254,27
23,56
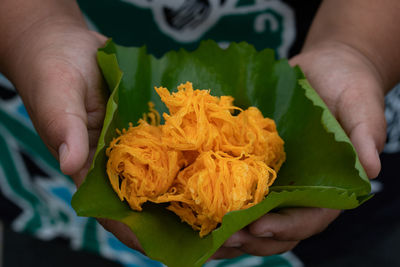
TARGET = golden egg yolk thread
x,y
203,160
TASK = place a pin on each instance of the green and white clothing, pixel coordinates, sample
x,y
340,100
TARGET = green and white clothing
x,y
35,196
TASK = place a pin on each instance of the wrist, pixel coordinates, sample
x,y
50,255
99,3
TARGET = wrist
x,y
367,26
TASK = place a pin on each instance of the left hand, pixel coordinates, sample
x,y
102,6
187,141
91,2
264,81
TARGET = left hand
x,y
351,87
277,232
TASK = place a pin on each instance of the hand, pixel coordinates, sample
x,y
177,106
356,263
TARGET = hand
x,y
352,88
277,232
63,91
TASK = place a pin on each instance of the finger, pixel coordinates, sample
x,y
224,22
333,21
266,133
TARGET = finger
x,y
259,246
237,239
79,176
353,91
267,247
367,148
59,115
226,253
360,110
293,224
122,232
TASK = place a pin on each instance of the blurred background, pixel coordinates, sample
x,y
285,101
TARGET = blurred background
x,y
38,227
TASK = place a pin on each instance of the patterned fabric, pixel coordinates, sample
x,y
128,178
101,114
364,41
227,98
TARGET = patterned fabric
x,y
167,25
392,114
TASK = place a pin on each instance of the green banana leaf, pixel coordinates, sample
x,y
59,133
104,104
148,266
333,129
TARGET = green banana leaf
x,y
322,168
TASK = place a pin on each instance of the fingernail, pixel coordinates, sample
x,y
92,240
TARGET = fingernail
x,y
234,241
62,152
267,234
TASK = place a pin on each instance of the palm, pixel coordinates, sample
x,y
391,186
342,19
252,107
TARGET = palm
x,y
352,89
66,99
67,104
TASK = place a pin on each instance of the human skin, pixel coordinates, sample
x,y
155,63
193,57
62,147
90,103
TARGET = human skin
x,y
350,54
352,58
50,56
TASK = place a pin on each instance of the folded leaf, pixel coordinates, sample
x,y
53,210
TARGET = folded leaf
x,y
321,170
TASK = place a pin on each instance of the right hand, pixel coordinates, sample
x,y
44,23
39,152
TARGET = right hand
x,y
55,71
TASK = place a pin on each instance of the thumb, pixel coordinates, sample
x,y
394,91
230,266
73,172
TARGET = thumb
x,y
361,113
73,146
58,112
351,87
